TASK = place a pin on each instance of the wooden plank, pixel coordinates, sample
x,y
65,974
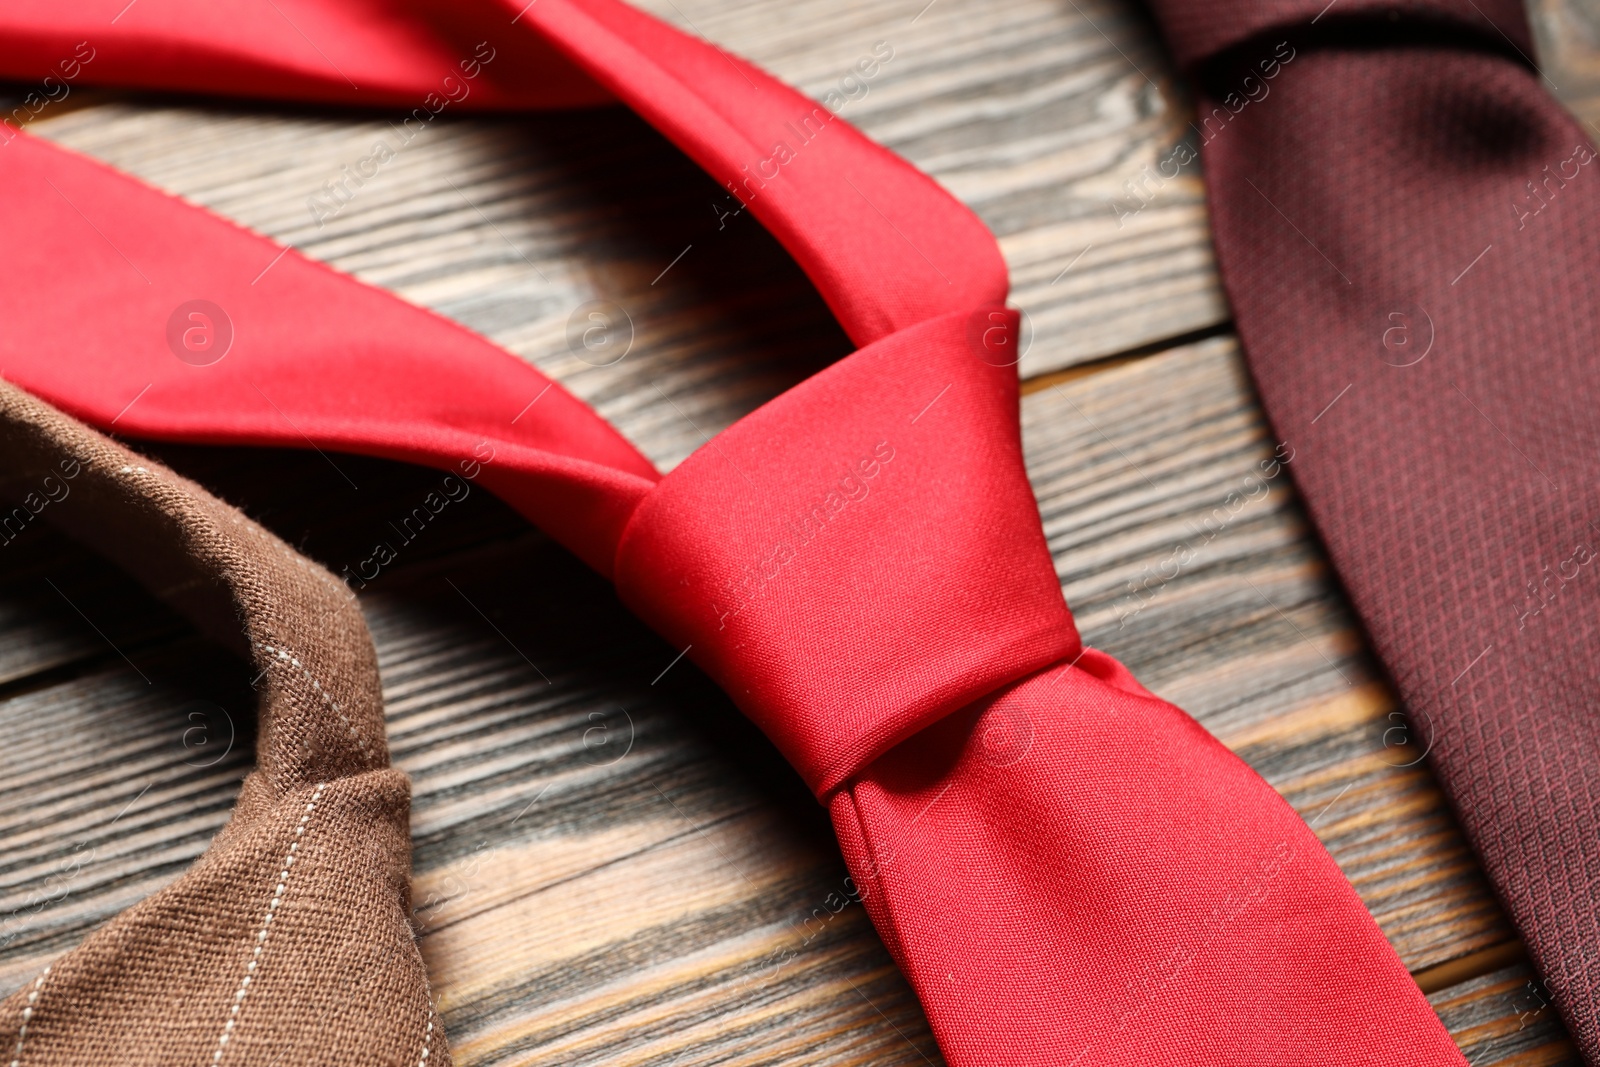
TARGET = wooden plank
x,y
1506,1018
1183,558
607,868
114,781
510,226
1034,113
603,867
63,609
669,905
60,607
1567,35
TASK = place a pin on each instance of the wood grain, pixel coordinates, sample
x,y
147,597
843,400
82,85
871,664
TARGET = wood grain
x,y
607,868
1034,113
611,867
1162,460
1567,36
1506,1018
1037,114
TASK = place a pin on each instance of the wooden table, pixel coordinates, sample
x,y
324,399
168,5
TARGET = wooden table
x,y
608,857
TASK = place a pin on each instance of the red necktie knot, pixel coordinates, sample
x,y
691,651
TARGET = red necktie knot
x,y
863,555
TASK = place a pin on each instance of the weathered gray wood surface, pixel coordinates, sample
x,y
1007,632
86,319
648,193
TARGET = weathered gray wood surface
x,y
1506,1017
604,867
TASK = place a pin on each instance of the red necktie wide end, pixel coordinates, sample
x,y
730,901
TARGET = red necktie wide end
x,y
1069,870
1081,864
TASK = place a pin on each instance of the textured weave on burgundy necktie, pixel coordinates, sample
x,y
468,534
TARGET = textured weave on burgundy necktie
x,y
1405,222
858,563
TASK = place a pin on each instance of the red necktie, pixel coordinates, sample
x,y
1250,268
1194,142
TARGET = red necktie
x,y
1405,220
1067,869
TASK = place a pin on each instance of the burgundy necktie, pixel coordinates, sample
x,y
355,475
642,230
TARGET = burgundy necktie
x,y
1069,870
1406,223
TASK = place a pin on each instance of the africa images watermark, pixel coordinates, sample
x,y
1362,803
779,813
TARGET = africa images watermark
x,y
605,739
53,888
1145,985
336,193
1144,187
1254,487
199,742
1538,195
1542,591
451,489
799,530
851,87
52,489
53,89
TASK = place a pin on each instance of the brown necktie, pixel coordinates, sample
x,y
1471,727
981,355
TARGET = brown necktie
x,y
858,563
298,915
1405,222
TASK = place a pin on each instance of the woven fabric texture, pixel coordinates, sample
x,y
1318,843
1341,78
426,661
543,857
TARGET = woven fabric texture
x,y
1068,869
1405,222
289,941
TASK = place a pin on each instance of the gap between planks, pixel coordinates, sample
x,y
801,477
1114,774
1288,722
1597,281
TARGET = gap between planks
x,y
1431,979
